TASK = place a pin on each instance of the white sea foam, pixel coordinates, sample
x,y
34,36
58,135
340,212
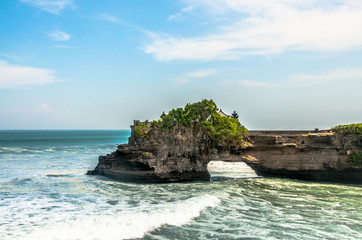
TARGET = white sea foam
x,y
129,223
230,169
9,150
44,194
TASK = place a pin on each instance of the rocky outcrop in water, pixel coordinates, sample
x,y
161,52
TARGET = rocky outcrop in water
x,y
167,156
182,154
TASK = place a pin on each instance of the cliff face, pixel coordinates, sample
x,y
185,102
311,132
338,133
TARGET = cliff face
x,y
183,155
323,156
166,156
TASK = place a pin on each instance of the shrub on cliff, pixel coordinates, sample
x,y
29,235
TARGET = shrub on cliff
x,y
222,132
198,112
235,115
354,128
142,131
226,132
355,158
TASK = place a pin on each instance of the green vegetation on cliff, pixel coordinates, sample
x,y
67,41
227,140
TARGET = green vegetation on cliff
x,y
354,128
356,158
142,131
221,132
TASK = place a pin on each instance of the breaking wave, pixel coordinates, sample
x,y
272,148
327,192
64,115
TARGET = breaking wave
x,y
129,223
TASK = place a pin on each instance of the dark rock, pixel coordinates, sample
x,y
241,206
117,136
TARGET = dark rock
x,y
321,157
167,157
182,154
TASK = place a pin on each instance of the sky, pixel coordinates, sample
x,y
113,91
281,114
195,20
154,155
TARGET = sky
x,y
89,64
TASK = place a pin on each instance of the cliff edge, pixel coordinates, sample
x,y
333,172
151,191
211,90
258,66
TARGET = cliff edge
x,y
183,154
324,156
166,156
179,146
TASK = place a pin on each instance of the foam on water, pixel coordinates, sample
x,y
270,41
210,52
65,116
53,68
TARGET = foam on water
x,y
45,194
220,169
129,223
46,149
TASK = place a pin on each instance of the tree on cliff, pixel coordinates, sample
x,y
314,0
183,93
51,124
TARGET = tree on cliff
x,y
202,118
235,115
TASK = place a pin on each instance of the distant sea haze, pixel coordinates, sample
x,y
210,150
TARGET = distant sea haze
x,y
45,194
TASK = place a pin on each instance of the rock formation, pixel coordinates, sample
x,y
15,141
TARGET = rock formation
x,y
324,156
167,156
182,154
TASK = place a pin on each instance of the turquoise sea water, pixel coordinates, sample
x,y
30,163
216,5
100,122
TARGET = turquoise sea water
x,y
45,194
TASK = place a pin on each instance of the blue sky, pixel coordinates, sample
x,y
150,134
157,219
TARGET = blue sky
x,y
87,64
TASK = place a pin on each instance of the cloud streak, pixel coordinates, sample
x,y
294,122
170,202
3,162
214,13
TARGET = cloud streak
x,y
59,36
263,27
14,76
339,75
305,80
109,18
52,6
202,73
42,108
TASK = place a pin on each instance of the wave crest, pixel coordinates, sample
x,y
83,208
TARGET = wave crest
x,y
128,224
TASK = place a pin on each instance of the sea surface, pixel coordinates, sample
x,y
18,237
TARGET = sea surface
x,y
45,194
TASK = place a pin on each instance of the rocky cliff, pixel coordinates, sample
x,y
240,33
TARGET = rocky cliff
x,y
322,156
182,154
163,156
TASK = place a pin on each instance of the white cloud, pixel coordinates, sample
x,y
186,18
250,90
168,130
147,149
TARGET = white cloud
x,y
9,56
41,108
62,46
44,108
250,83
174,16
13,76
181,81
339,75
109,18
304,79
182,11
264,27
202,73
52,6
59,36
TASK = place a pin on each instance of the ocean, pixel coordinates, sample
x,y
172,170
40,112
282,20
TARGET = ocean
x,y
45,194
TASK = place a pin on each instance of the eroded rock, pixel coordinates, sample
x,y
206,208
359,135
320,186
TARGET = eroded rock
x,y
182,154
323,156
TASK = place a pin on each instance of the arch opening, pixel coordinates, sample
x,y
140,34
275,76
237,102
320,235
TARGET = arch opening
x,y
230,170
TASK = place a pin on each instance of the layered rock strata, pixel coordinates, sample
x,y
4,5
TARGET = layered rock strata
x,y
166,156
181,155
308,156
